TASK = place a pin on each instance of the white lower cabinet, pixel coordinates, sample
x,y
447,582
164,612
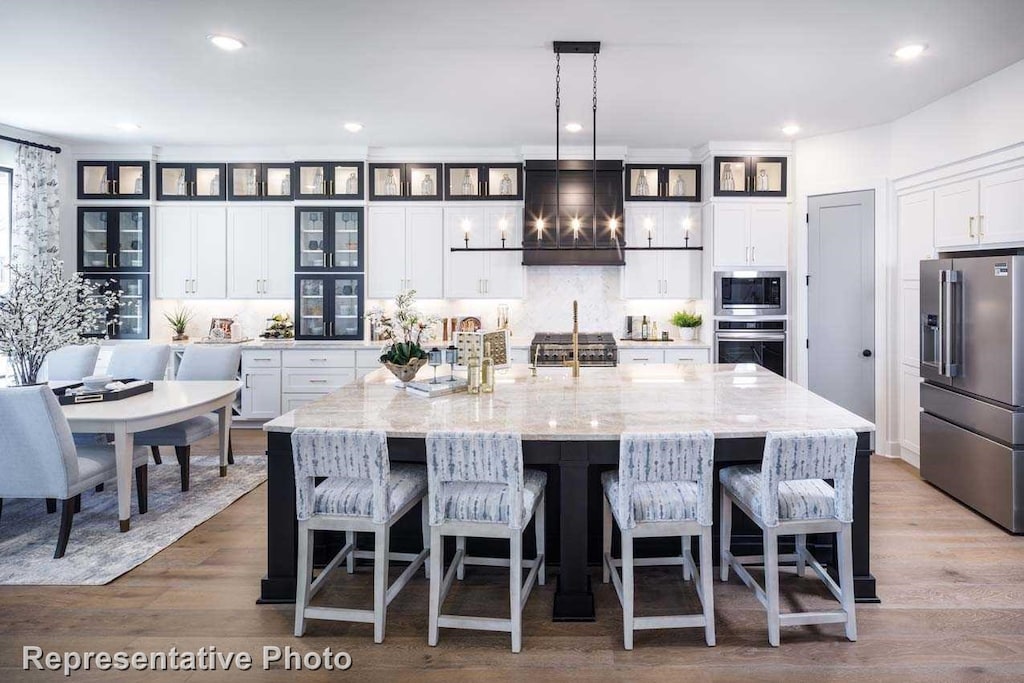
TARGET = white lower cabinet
x,y
292,401
687,355
261,385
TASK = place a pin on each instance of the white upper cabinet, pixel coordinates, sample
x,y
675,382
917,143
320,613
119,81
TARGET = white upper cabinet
x,y
260,248
190,244
956,215
483,275
751,235
385,260
731,243
916,230
424,251
662,274
405,251
1001,198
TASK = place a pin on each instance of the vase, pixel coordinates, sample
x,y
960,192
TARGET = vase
x,y
406,373
179,337
687,333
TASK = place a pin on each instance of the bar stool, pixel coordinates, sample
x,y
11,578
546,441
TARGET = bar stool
x,y
787,495
361,492
477,487
664,487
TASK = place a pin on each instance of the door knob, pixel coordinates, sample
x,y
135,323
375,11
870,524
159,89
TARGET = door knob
x,y
866,353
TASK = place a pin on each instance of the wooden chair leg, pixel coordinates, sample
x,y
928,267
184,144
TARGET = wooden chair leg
x,y
684,544
460,544
67,514
100,487
724,536
627,589
183,453
142,487
231,452
304,573
51,505
78,503
707,586
516,589
771,584
845,555
801,548
425,531
436,578
350,561
380,582
540,530
155,450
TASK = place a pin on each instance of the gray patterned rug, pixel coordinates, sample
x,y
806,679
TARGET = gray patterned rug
x,y
97,552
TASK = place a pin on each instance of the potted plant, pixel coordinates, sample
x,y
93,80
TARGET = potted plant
x,y
402,334
179,321
687,324
44,310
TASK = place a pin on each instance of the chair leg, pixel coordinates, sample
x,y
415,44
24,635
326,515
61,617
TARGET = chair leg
x,y
380,581
78,503
801,548
539,529
771,584
516,589
627,589
100,487
67,514
460,544
707,586
183,453
155,450
350,561
51,505
725,536
606,539
425,531
845,554
142,487
1,507
231,452
684,544
436,577
304,574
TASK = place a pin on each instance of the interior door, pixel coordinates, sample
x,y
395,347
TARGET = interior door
x,y
841,299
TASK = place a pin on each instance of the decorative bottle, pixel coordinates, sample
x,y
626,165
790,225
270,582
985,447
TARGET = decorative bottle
x,y
215,185
250,184
678,187
505,186
645,329
286,184
318,181
727,183
467,183
104,185
390,185
641,185
352,184
427,186
487,371
179,188
473,373
762,181
138,185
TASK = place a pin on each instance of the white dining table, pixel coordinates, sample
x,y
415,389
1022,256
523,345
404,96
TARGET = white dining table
x,y
167,404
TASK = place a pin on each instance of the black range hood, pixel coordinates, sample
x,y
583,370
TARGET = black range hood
x,y
570,240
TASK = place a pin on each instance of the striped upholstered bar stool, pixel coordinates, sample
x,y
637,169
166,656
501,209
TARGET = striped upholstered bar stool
x,y
478,488
788,495
664,487
362,492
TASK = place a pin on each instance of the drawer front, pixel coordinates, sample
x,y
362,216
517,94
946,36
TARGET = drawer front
x,y
327,358
368,358
687,355
314,380
641,356
252,360
290,402
519,356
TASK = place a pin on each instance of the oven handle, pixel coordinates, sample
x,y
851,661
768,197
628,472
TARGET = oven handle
x,y
751,336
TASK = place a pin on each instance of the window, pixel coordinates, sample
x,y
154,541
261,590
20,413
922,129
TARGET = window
x,y
6,217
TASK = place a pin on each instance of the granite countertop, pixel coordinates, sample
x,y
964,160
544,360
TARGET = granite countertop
x,y
733,401
524,343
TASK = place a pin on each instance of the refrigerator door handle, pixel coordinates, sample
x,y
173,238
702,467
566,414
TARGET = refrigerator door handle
x,y
941,329
951,327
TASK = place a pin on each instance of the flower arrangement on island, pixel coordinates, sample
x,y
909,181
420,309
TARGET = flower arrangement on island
x,y
403,334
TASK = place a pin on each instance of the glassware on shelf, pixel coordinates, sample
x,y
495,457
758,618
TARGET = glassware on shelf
x,y
505,186
352,184
762,180
728,184
390,184
642,189
179,188
427,186
678,187
487,371
467,183
434,358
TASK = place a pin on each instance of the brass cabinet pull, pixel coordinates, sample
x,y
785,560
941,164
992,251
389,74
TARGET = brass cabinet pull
x,y
115,260
115,186
331,185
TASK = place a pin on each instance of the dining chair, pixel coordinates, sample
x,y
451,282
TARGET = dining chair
x,y
71,363
478,487
664,487
139,361
198,363
364,492
788,496
39,459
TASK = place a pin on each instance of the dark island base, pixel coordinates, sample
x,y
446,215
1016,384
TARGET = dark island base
x,y
574,543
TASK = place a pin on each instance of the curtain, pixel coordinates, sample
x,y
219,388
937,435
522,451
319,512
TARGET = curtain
x,y
36,227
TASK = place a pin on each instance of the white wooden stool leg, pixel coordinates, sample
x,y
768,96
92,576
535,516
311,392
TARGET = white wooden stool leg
x,y
425,525
685,543
350,561
771,584
304,576
725,535
540,530
801,548
516,589
460,544
606,540
707,585
845,555
627,589
436,577
380,581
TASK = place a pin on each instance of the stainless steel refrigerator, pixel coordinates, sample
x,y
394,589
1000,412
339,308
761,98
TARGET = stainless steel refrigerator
x,y
972,398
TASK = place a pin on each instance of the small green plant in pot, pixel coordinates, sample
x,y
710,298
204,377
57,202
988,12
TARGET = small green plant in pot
x,y
687,324
402,333
179,320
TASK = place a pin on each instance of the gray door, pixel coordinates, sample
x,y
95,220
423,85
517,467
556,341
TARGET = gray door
x,y
841,299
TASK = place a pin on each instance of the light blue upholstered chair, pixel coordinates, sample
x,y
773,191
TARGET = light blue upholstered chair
x,y
788,496
664,487
478,488
198,363
362,492
71,363
139,361
39,459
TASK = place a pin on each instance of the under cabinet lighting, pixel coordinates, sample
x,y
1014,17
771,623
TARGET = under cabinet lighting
x,y
226,43
791,129
912,51
353,126
573,127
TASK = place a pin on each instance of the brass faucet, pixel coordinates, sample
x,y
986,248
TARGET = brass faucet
x,y
575,362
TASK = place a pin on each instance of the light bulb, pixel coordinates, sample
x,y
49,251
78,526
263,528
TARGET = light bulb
x,y
911,51
226,43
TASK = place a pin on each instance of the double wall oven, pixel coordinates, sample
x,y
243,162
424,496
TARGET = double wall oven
x,y
750,326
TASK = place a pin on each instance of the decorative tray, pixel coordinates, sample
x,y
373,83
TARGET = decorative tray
x,y
77,393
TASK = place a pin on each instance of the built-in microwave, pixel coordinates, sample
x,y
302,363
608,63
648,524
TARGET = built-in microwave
x,y
750,292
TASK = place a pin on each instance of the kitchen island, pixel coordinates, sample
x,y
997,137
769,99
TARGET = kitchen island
x,y
571,428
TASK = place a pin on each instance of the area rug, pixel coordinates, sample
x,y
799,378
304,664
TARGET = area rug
x,y
97,552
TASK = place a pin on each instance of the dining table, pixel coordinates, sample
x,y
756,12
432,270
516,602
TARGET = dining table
x,y
170,402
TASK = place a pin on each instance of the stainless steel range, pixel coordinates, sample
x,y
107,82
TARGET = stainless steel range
x,y
597,349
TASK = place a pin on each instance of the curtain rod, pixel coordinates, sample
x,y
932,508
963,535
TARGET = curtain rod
x,y
31,144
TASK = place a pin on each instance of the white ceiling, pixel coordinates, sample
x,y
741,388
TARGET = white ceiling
x,y
673,73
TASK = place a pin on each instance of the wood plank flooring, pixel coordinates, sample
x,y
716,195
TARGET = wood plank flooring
x,y
951,584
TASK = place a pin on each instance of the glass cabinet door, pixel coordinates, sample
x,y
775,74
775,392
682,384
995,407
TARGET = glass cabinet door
x,y
732,177
208,181
131,248
347,247
311,181
768,176
346,180
131,179
423,181
277,181
387,181
347,319
98,287
245,181
131,320
93,240
309,304
94,181
463,182
503,182
312,239
682,183
642,182
172,182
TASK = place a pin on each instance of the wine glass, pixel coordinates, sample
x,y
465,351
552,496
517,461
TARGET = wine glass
x,y
434,358
451,354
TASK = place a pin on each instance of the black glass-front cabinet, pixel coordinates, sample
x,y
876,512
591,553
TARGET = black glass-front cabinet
x,y
328,306
191,182
113,239
113,180
328,179
406,182
750,176
329,239
663,183
130,320
257,182
483,182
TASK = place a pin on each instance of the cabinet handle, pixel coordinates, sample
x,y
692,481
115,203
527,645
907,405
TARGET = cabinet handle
x,y
318,381
115,260
263,360
753,258
115,186
981,229
317,360
247,380
970,226
746,183
331,185
195,193
746,255
108,261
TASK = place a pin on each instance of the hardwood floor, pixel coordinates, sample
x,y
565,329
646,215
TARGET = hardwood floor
x,y
951,584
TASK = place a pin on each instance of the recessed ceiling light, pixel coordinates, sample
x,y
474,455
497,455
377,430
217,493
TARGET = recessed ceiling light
x,y
226,43
129,127
573,127
353,126
911,51
791,129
